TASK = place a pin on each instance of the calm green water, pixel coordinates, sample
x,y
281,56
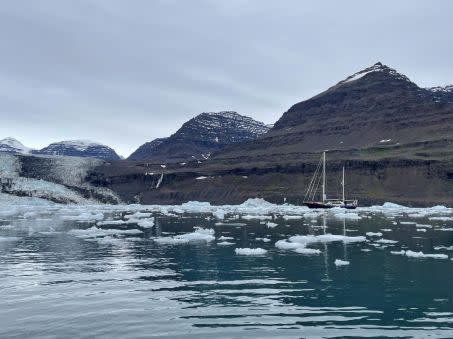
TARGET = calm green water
x,y
54,284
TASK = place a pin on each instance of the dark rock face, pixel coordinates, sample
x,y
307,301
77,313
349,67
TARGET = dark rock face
x,y
77,148
199,137
146,149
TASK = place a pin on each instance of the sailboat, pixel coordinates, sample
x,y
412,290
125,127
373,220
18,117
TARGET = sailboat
x,y
312,189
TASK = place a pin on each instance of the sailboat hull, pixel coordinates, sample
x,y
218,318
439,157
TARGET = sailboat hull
x,y
314,204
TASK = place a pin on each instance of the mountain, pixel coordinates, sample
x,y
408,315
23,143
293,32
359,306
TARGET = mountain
x,y
200,136
11,145
372,107
442,94
79,148
394,137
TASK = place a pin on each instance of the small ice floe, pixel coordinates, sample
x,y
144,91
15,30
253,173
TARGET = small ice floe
x,y
407,222
386,241
182,163
423,226
299,242
386,230
383,141
239,224
373,234
421,229
225,243
445,229
146,223
292,217
446,248
339,262
271,224
365,250
163,166
305,250
219,213
441,218
201,177
412,254
114,222
263,239
199,235
256,217
250,251
222,238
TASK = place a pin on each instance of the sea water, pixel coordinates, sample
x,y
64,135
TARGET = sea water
x,y
93,271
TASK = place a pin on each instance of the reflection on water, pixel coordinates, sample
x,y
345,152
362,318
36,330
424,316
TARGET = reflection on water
x,y
59,283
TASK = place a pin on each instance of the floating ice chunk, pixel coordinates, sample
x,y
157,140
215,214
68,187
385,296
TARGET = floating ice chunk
x,y
146,223
225,243
170,241
292,217
441,218
219,213
449,248
112,222
263,239
373,234
250,251
304,250
201,177
339,262
412,254
222,238
200,234
386,241
196,207
423,226
407,222
421,229
271,224
365,250
445,229
386,230
257,217
287,245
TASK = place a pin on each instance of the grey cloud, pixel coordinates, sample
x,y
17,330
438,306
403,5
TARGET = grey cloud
x,y
125,72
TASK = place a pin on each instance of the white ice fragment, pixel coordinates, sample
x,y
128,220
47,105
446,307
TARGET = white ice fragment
x,y
271,224
225,243
373,234
339,262
146,223
386,241
250,251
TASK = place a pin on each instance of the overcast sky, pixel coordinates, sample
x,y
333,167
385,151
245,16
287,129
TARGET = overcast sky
x,y
126,72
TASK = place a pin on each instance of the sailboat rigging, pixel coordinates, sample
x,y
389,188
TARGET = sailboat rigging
x,y
312,189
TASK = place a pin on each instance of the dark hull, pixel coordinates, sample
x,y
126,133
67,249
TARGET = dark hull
x,y
313,204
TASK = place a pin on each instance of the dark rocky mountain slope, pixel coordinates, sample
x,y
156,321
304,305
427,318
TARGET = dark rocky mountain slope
x,y
199,137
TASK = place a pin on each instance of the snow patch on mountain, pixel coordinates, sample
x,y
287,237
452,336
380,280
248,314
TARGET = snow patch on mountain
x,y
11,145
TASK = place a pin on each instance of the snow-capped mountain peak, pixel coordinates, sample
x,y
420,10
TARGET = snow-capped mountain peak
x,y
377,67
11,145
80,148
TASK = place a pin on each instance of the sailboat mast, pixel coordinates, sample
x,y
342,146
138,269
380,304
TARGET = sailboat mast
x,y
342,183
323,177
